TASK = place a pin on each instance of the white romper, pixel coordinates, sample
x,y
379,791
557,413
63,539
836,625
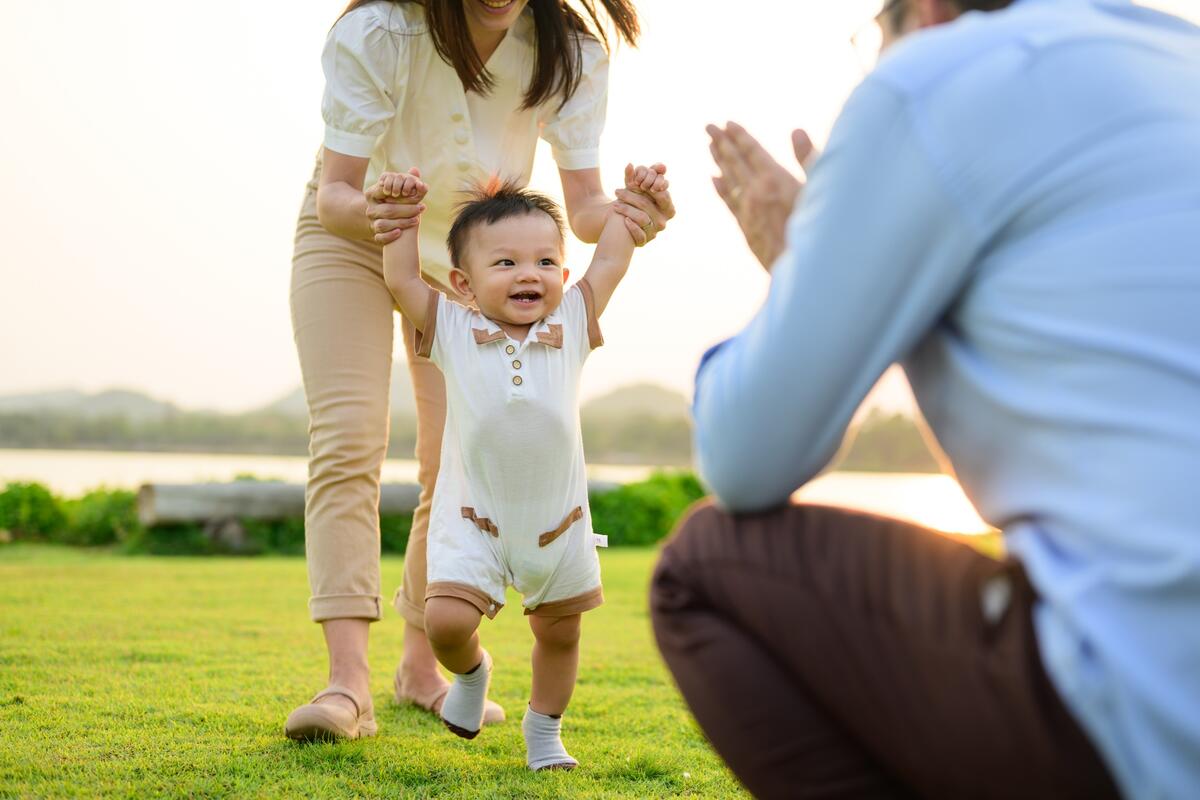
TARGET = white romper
x,y
510,507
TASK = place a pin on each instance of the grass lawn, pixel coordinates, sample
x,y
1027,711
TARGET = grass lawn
x,y
142,677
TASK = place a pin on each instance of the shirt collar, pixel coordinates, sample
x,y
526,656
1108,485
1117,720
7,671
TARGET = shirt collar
x,y
549,331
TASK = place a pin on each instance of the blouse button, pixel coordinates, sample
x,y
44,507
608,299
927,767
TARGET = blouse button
x,y
464,165
461,137
516,365
456,117
510,349
517,380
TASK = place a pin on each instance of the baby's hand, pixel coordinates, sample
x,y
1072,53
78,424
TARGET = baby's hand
x,y
645,193
394,204
399,187
646,180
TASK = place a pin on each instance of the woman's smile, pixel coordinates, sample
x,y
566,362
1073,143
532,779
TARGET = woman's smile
x,y
497,6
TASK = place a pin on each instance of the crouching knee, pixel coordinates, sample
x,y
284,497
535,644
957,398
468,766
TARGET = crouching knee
x,y
676,581
687,543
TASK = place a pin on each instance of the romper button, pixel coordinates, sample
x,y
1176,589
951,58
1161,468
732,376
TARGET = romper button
x,y
510,349
516,365
461,137
464,165
456,117
517,380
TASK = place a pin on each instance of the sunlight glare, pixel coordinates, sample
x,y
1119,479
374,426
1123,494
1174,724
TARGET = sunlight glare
x,y
935,501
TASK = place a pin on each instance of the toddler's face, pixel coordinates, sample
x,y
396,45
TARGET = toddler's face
x,y
513,268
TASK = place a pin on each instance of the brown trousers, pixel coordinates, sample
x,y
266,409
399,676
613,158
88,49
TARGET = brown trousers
x,y
831,653
342,317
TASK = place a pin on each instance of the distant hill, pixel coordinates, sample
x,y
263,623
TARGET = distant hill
x,y
639,424
639,399
132,405
646,399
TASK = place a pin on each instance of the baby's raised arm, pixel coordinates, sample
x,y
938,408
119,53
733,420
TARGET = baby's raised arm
x,y
402,258
618,239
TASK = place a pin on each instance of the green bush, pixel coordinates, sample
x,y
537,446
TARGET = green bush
x,y
277,537
30,511
635,514
100,517
177,539
393,532
284,536
644,513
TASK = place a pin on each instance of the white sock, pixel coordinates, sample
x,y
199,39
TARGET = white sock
x,y
462,710
543,742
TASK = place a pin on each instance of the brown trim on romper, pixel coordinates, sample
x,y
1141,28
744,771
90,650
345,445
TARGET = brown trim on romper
x,y
554,338
571,605
595,337
423,343
483,523
549,536
465,591
483,337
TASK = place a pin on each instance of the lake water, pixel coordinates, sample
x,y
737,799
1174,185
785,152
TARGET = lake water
x,y
932,500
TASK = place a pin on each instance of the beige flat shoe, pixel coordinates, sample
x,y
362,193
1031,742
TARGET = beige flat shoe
x,y
493,714
330,722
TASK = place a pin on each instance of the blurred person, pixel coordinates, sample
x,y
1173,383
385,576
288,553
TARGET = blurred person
x,y
1009,207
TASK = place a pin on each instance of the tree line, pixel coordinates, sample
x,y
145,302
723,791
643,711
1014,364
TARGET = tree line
x,y
890,443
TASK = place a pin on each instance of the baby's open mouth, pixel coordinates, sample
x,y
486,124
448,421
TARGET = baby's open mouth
x,y
525,297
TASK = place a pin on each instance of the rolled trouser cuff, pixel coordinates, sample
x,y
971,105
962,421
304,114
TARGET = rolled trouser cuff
x,y
346,606
413,614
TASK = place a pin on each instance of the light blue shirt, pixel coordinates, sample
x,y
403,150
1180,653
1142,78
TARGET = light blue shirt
x,y
1010,207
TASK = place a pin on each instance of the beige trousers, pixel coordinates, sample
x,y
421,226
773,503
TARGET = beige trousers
x,y
342,318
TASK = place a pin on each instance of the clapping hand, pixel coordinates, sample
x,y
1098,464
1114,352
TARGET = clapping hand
x,y
759,191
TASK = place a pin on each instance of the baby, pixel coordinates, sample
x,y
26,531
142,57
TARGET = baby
x,y
510,507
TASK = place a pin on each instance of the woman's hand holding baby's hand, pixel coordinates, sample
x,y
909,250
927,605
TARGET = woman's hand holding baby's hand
x,y
645,202
394,204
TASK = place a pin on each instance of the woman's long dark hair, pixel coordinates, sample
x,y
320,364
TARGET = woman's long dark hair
x,y
558,59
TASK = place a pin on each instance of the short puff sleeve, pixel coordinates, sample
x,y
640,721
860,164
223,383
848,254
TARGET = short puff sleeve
x,y
573,131
363,81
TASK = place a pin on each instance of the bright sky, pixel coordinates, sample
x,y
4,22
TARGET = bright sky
x,y
156,153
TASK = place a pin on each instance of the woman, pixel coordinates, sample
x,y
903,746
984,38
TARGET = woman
x,y
461,89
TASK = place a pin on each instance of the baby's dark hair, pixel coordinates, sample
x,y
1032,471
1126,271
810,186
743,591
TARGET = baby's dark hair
x,y
489,204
